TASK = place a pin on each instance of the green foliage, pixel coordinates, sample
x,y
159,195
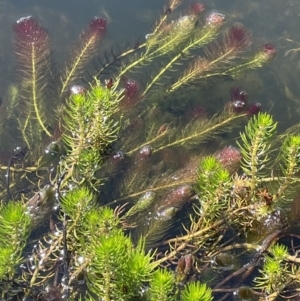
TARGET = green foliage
x,y
197,39
8,260
14,221
89,129
196,291
201,130
162,286
289,163
274,274
100,220
117,268
14,231
89,121
279,252
211,175
116,209
142,204
213,183
255,146
77,203
258,60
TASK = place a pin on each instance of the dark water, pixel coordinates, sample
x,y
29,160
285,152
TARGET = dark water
x,y
275,21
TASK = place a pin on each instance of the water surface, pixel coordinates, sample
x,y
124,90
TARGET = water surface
x,y
275,86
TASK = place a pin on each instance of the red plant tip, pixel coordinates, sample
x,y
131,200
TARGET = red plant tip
x,y
238,106
254,109
132,95
96,28
184,266
131,88
270,51
215,19
230,158
145,153
77,89
109,83
168,11
115,162
239,100
196,8
29,31
116,158
178,197
180,266
98,25
163,129
238,37
236,94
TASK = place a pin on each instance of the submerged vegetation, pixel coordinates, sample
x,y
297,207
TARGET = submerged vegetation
x,y
125,190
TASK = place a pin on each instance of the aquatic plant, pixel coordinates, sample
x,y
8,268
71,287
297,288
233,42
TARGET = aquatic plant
x,y
136,210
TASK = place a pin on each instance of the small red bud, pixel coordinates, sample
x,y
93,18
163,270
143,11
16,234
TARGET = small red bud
x,y
115,162
132,88
132,94
238,106
215,19
180,265
77,89
29,31
236,94
168,11
270,51
189,261
163,129
230,158
145,153
143,158
178,197
109,83
254,109
196,8
118,156
239,100
96,28
237,37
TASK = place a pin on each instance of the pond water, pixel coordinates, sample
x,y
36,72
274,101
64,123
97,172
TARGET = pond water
x,y
275,86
